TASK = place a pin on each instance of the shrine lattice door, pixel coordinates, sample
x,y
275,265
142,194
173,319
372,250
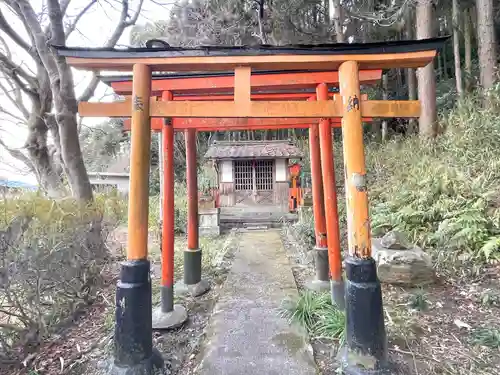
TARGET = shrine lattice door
x,y
254,182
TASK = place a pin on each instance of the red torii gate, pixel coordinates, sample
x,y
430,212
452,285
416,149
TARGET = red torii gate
x,y
210,86
366,342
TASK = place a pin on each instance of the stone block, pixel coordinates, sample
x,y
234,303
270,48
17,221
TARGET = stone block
x,y
209,231
411,266
304,213
206,203
209,222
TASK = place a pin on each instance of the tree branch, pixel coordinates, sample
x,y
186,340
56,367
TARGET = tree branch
x,y
18,155
64,7
12,69
16,9
9,31
115,36
13,116
16,99
56,23
72,26
39,37
12,74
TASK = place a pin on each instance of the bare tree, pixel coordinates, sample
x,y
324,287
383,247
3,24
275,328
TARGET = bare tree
x,y
42,88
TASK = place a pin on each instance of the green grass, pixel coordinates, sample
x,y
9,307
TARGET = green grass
x,y
316,313
490,298
489,337
331,325
418,301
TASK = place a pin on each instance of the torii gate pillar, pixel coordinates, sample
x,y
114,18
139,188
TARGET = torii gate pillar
x,y
133,341
330,204
168,315
322,281
192,255
366,337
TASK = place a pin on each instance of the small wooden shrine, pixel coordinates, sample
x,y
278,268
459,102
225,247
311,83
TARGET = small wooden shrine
x,y
253,173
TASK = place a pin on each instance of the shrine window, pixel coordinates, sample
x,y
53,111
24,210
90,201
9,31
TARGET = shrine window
x,y
253,175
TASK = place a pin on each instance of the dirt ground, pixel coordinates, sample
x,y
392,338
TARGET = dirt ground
x,y
84,345
431,330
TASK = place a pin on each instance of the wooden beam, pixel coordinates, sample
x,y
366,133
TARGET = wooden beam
x,y
261,96
222,124
242,88
258,62
272,81
275,96
264,109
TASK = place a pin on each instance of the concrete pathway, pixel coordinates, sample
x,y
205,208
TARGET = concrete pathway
x,y
246,334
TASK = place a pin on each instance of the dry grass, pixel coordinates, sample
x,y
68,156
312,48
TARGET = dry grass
x,y
454,335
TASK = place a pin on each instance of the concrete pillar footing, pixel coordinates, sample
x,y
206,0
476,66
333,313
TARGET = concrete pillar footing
x,y
193,290
146,367
319,286
169,320
338,294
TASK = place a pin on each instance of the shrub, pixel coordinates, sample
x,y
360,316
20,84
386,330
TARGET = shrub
x,y
180,209
443,193
51,258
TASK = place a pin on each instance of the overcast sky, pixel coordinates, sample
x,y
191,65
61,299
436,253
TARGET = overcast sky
x,y
93,30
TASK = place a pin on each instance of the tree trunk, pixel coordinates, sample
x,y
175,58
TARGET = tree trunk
x,y
411,78
36,143
468,50
326,12
456,47
385,96
445,59
41,158
486,42
426,75
337,20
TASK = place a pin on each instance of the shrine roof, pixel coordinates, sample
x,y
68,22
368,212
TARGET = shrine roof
x,y
253,149
396,46
413,53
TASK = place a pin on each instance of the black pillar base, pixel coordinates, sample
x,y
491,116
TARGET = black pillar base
x,y
192,273
366,351
322,282
192,266
133,340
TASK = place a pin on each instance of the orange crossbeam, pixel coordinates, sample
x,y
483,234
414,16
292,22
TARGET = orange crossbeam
x,y
213,124
256,97
253,109
262,96
295,80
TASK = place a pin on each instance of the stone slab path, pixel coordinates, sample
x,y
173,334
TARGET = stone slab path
x,y
246,334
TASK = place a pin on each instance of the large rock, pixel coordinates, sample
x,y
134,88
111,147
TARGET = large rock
x,y
399,262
